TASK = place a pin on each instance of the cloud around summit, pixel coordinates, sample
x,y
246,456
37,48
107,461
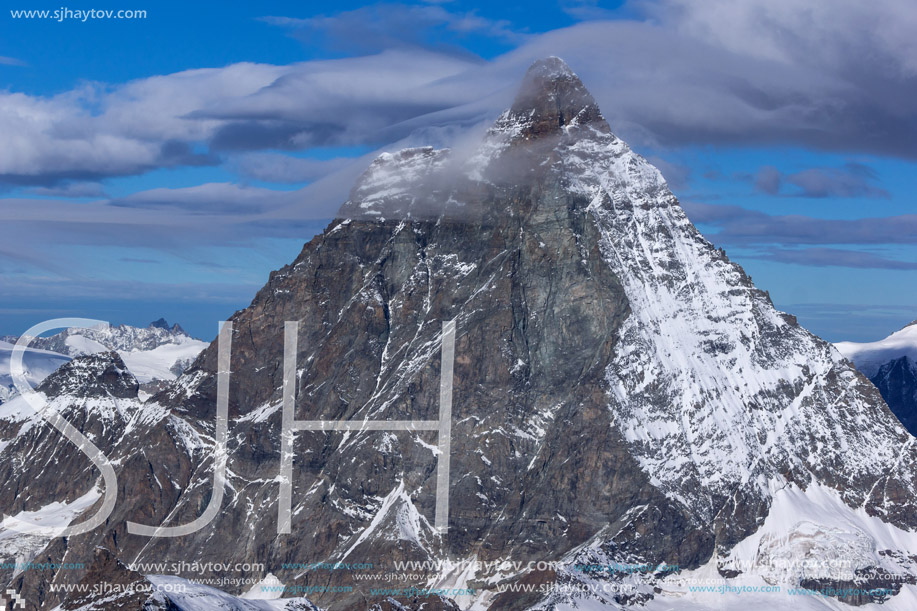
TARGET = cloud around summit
x,y
838,76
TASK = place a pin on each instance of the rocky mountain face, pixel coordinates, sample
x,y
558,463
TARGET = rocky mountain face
x,y
95,394
45,479
897,381
891,364
622,394
162,323
127,590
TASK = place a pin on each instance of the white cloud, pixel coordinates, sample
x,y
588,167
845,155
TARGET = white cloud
x,y
10,61
273,167
71,189
836,76
840,34
93,132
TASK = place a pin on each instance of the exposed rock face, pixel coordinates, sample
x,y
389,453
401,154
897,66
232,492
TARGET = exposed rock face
x,y
891,364
40,471
434,604
98,396
517,263
109,586
897,381
621,390
161,323
97,375
551,97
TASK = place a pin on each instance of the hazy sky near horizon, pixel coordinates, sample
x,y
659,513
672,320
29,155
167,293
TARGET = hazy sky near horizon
x,y
162,166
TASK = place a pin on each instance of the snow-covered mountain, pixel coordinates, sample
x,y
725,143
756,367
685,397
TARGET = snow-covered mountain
x,y
155,352
39,364
869,357
43,477
891,364
631,418
123,338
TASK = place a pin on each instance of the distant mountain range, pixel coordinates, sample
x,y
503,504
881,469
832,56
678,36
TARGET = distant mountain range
x,y
153,353
891,364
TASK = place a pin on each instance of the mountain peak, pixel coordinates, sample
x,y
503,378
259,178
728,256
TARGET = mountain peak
x,y
163,324
551,67
93,375
553,97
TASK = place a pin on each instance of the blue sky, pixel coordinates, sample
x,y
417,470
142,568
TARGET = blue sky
x,y
163,166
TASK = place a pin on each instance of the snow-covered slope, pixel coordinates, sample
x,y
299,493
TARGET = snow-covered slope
x,y
163,362
38,364
22,548
155,352
869,356
190,596
122,338
809,537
